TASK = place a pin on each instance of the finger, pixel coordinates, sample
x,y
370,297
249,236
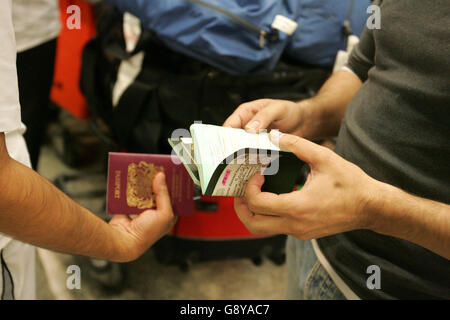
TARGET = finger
x,y
162,193
234,121
265,117
150,226
259,224
155,221
120,218
159,221
305,150
265,203
244,113
243,212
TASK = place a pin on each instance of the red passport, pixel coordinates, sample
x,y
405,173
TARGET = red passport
x,y
130,178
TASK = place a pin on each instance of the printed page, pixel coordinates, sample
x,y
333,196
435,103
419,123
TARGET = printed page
x,y
183,150
212,144
234,177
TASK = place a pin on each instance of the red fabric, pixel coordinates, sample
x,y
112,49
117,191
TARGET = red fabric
x,y
223,224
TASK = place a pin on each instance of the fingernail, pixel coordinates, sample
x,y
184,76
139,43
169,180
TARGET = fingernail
x,y
253,126
275,135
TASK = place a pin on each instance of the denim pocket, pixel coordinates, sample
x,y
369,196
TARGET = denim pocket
x,y
320,286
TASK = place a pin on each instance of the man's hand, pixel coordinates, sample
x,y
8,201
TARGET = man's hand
x,y
338,197
255,116
333,200
33,210
137,234
315,118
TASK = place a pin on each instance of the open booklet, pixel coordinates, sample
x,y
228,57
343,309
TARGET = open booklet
x,y
221,160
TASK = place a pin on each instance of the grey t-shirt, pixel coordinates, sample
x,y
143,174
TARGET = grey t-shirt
x,y
397,129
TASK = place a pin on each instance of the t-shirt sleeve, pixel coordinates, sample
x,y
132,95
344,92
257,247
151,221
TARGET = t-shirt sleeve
x,y
9,92
362,58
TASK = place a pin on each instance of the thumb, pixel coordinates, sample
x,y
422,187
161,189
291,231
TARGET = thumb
x,y
163,216
305,150
161,193
155,223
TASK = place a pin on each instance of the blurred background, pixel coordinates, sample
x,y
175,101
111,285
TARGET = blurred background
x,y
122,75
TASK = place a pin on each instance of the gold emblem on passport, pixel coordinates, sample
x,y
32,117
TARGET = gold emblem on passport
x,y
139,184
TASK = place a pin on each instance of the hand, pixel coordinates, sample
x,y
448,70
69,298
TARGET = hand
x,y
136,235
335,198
286,116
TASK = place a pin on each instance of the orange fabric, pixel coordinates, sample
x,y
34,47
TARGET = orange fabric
x,y
65,91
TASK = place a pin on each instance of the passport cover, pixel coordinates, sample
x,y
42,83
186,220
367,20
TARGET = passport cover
x,y
130,178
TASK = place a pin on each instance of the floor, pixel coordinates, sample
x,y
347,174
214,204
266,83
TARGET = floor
x,y
146,278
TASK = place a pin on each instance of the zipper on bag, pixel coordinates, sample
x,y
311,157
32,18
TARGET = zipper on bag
x,y
261,32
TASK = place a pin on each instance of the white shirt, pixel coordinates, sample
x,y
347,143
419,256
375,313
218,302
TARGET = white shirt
x,y
18,257
9,92
35,22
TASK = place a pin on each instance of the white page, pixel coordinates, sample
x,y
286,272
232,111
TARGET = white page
x,y
212,144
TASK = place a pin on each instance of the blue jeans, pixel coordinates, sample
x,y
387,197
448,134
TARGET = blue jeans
x,y
306,278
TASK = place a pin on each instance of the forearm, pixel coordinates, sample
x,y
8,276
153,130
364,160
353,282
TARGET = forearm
x,y
322,115
34,211
421,221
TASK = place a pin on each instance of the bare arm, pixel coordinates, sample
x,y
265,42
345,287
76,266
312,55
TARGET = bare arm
x,y
34,211
418,220
314,118
339,197
318,117
324,112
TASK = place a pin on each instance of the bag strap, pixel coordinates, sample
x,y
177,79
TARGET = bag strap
x,y
110,31
346,28
107,42
118,51
88,77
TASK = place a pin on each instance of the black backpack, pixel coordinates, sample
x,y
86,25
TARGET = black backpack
x,y
172,90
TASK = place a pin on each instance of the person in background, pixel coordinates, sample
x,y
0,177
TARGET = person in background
x,y
36,26
32,210
377,209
